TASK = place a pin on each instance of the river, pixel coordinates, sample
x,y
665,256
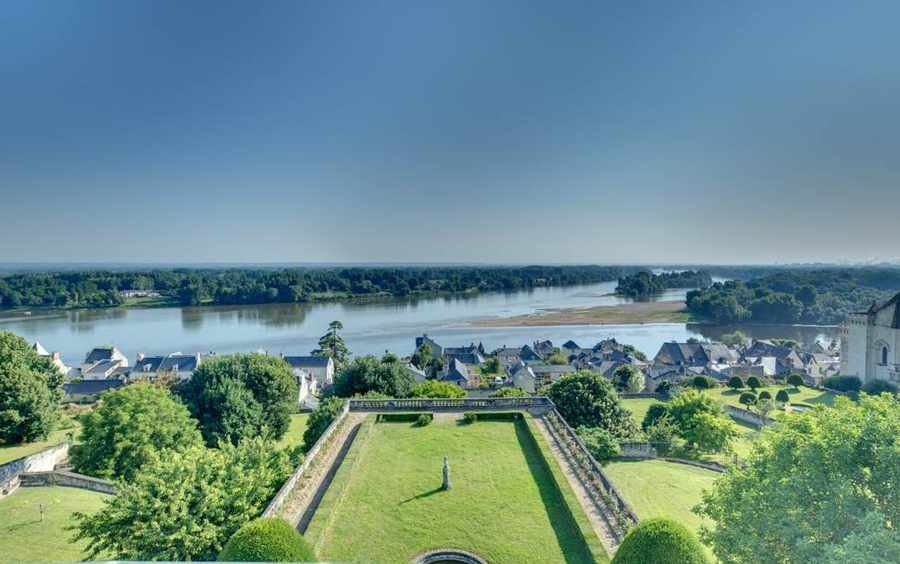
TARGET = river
x,y
369,328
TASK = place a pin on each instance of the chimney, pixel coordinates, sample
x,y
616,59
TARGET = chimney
x,y
140,356
55,355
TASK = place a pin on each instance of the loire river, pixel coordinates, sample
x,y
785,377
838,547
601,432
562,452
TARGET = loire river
x,y
368,327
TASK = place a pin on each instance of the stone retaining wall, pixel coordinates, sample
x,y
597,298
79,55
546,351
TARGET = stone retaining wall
x,y
66,479
748,417
714,466
43,461
637,450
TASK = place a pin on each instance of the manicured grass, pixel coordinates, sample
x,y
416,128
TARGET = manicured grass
x,y
386,502
638,407
294,434
656,488
23,537
12,452
798,395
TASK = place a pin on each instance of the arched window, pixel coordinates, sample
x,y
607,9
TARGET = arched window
x,y
884,352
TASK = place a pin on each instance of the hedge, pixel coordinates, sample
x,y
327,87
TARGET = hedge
x,y
660,540
268,539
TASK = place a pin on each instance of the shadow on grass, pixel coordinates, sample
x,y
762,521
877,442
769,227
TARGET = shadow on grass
x,y
423,495
563,522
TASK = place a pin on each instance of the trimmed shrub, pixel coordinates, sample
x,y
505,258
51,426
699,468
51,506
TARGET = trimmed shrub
x,y
502,416
748,399
875,387
702,382
424,419
795,380
765,395
655,412
660,540
469,417
269,539
664,388
843,383
783,396
735,383
753,383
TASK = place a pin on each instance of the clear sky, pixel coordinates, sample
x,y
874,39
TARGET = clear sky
x,y
432,131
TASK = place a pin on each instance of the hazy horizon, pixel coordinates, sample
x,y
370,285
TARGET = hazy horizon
x,y
490,133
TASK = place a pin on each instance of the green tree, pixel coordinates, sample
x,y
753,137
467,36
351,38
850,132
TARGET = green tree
x,y
586,399
754,383
765,395
811,484
700,422
185,507
492,365
436,389
628,379
510,392
557,358
268,539
701,382
659,540
735,383
655,412
795,380
239,396
30,391
735,339
748,399
783,396
128,428
600,443
332,345
423,356
367,374
320,419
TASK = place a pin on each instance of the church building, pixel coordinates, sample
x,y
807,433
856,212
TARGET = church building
x,y
870,343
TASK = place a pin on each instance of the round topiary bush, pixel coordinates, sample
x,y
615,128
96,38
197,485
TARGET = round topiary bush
x,y
660,540
268,539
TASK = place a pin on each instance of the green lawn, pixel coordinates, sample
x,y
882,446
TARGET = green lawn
x,y
11,452
294,434
798,395
656,488
386,504
638,407
23,537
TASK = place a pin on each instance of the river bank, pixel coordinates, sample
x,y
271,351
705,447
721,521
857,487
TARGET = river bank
x,y
621,314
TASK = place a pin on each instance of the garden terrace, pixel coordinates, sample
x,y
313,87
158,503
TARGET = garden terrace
x,y
508,502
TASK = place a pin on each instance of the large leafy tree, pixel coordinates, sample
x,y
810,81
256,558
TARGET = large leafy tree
x,y
586,399
436,389
130,426
819,485
239,396
30,391
332,345
368,374
186,507
698,419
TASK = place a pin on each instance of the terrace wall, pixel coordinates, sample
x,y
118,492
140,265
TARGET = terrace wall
x,y
43,461
67,479
748,417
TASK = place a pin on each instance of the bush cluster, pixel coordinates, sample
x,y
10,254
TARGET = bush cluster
x,y
659,540
424,419
843,383
267,540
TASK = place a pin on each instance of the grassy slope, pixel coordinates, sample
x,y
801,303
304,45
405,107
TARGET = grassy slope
x,y
798,395
386,504
23,537
66,425
656,488
294,434
638,407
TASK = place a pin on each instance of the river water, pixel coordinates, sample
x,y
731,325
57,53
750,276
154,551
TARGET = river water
x,y
368,327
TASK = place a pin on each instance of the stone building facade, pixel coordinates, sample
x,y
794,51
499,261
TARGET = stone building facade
x,y
870,343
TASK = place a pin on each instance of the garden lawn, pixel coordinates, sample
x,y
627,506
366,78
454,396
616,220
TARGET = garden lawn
x,y
294,435
656,488
638,407
386,503
11,452
798,395
23,537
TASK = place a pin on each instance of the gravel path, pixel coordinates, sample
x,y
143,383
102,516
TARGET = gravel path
x,y
598,514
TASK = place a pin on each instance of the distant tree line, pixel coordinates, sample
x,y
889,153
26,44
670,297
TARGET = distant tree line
x,y
643,284
798,296
289,285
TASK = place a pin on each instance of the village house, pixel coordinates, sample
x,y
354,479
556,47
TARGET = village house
x,y
320,367
177,366
54,357
437,351
524,378
419,376
545,374
456,373
870,341
102,363
472,355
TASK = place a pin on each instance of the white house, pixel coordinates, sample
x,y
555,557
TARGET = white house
x,y
55,360
102,362
321,368
870,341
178,365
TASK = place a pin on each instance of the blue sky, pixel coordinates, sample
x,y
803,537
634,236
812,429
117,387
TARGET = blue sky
x,y
501,131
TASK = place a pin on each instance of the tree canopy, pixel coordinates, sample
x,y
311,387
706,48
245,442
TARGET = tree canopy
x,y
436,389
332,345
368,374
128,428
821,483
30,391
239,396
185,507
587,399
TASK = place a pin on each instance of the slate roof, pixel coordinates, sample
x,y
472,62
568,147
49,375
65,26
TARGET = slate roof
x,y
100,353
91,387
307,361
893,302
465,357
571,345
457,371
103,366
552,368
527,353
39,349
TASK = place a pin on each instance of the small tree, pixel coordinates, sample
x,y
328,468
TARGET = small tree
x,y
701,382
268,539
735,383
748,399
765,395
783,396
423,356
754,383
795,380
599,442
655,412
130,426
436,389
332,345
628,379
662,434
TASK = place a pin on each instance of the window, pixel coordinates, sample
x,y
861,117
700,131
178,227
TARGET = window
x,y
884,355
